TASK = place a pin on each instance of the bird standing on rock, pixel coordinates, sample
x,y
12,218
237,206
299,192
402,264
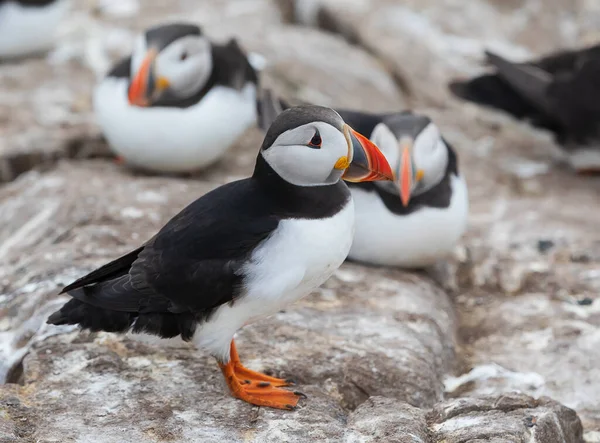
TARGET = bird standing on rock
x,y
560,93
417,219
179,102
242,251
28,26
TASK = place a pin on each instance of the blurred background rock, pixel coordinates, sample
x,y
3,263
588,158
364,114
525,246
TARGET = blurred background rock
x,y
469,350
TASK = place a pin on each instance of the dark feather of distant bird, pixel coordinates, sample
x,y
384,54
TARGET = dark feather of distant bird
x,y
560,93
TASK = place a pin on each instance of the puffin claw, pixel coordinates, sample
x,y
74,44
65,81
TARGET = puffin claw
x,y
300,394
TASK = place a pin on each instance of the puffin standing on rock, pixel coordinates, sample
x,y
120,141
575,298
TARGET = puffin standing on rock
x,y
178,102
28,26
242,251
560,93
417,219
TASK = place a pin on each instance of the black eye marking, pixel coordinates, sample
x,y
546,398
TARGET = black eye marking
x,y
316,141
183,56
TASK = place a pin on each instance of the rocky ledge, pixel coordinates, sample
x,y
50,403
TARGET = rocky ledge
x,y
499,343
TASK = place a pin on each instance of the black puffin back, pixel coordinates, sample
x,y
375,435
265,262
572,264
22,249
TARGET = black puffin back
x,y
575,99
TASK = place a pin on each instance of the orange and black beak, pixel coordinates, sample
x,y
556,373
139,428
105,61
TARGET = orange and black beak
x,y
365,162
146,87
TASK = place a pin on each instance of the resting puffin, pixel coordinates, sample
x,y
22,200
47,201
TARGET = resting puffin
x,y
417,219
178,102
242,251
560,93
28,26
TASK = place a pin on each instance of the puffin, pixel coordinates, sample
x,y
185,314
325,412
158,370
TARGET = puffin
x,y
417,219
559,93
178,102
28,26
240,252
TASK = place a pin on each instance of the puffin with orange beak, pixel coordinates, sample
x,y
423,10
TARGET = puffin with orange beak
x,y
178,102
241,252
417,218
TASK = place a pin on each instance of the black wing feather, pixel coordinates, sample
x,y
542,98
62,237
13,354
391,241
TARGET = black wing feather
x,y
122,69
562,112
192,266
114,269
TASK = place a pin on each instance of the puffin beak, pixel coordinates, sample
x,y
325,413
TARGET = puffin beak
x,y
406,174
145,86
365,162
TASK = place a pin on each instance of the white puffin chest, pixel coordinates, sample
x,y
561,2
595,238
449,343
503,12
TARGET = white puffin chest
x,y
413,240
171,139
28,29
297,258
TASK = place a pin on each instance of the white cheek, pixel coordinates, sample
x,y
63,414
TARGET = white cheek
x,y
433,162
386,141
139,52
300,165
185,77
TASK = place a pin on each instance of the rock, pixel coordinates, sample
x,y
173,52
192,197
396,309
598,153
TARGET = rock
x,y
425,42
510,417
366,332
382,354
161,417
381,419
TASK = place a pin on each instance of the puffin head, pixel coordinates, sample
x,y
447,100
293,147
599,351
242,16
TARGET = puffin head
x,y
312,146
169,63
416,151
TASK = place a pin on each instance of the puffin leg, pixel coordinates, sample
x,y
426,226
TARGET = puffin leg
x,y
256,392
247,374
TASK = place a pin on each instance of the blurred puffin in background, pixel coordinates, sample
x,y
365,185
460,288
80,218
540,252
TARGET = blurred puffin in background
x,y
418,218
178,102
28,26
560,93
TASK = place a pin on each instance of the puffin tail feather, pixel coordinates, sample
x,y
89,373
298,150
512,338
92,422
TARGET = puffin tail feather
x,y
76,312
94,319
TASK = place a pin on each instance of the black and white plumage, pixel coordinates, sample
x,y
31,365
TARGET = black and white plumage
x,y
417,219
242,251
559,92
178,102
29,26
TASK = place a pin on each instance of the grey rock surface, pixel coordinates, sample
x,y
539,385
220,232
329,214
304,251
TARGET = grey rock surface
x,y
384,355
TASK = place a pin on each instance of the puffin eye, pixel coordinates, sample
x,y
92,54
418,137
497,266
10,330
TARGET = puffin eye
x,y
183,56
316,141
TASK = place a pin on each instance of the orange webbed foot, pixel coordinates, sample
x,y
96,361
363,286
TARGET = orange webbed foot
x,y
259,378
119,160
257,388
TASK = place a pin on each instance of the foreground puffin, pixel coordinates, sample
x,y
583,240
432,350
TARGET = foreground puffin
x,y
242,251
179,102
417,219
28,26
560,93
